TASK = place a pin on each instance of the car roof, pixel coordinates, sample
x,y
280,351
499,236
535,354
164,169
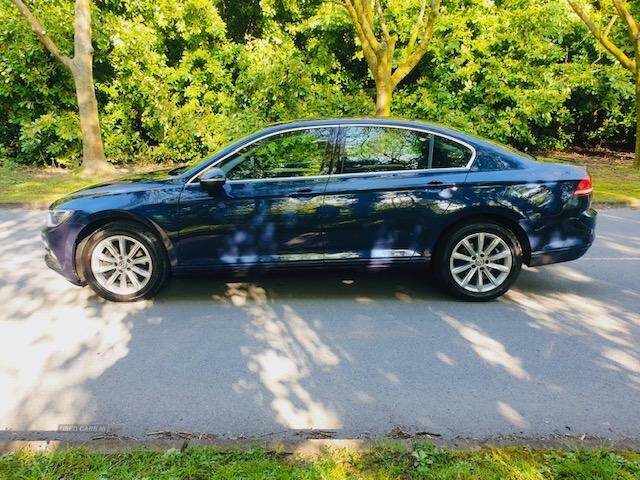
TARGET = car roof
x,y
383,121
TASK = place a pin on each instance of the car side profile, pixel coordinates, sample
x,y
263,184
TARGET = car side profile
x,y
329,192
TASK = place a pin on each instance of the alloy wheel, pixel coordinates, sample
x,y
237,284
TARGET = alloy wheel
x,y
481,262
121,264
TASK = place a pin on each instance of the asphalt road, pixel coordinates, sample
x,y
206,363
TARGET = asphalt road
x,y
357,354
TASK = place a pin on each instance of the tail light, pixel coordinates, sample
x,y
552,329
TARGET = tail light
x,y
585,187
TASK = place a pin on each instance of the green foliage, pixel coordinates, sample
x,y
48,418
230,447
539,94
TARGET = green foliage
x,y
32,86
177,80
51,138
497,72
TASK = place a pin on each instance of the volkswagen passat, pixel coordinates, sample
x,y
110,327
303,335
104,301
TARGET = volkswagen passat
x,y
327,192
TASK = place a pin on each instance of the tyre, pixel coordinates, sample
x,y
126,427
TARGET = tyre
x,y
124,262
479,261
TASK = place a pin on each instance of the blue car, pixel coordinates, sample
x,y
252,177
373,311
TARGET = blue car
x,y
373,192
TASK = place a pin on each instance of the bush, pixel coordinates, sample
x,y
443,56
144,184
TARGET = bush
x,y
51,139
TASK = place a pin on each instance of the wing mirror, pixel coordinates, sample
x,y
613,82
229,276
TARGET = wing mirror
x,y
213,178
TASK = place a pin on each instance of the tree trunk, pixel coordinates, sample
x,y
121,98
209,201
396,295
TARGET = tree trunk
x,y
384,84
636,161
81,68
93,158
383,99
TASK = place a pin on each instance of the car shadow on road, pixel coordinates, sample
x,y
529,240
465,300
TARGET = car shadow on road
x,y
399,283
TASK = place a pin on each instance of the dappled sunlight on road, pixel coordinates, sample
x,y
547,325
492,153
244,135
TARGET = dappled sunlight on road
x,y
55,337
287,350
488,349
511,415
568,313
575,315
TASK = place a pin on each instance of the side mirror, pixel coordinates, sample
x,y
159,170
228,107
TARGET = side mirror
x,y
213,178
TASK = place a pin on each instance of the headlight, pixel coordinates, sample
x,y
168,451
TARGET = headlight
x,y
56,217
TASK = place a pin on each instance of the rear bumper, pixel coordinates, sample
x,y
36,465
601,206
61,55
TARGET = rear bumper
x,y
556,256
568,239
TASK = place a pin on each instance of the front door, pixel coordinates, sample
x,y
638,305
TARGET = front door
x,y
269,208
390,188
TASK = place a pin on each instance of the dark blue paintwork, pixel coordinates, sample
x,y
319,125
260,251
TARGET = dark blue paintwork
x,y
380,217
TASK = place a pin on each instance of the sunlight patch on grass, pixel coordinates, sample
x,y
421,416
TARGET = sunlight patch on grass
x,y
615,179
20,184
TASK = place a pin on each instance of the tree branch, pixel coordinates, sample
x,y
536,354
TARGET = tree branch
x,y
365,16
383,24
632,26
604,41
607,30
367,50
416,28
412,56
40,32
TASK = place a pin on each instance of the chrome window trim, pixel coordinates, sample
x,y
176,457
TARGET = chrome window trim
x,y
338,125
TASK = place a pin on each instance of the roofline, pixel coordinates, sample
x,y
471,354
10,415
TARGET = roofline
x,y
418,124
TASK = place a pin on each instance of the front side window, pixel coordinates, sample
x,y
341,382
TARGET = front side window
x,y
301,153
380,149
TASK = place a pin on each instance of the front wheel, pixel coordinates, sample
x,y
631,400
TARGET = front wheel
x,y
124,262
479,261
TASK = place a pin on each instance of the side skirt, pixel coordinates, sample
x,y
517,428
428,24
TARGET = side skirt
x,y
360,264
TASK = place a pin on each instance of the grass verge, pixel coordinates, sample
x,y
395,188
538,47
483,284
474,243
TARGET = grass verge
x,y
385,461
614,177
20,184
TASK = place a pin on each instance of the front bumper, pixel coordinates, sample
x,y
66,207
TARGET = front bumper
x,y
59,250
564,239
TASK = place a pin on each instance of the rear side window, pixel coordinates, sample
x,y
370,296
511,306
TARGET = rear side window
x,y
300,153
370,149
449,154
379,149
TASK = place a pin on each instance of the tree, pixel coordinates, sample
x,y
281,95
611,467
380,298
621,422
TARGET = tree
x,y
81,68
379,48
621,10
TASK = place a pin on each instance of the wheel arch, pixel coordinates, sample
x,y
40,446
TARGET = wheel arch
x,y
104,218
503,217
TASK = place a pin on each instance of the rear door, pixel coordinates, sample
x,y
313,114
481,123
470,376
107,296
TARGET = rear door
x,y
389,191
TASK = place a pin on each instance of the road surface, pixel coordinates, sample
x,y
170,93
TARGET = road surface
x,y
355,354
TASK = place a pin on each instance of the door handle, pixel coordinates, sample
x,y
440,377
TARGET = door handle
x,y
439,184
300,192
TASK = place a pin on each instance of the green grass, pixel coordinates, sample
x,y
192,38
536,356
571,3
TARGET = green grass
x,y
385,461
615,179
39,185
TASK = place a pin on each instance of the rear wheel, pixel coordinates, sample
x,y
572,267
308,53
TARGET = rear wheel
x,y
479,261
124,262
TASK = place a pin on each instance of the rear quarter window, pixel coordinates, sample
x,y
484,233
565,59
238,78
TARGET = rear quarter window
x,y
449,153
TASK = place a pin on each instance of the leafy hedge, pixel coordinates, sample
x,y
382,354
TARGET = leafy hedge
x,y
176,80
